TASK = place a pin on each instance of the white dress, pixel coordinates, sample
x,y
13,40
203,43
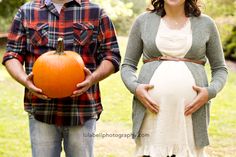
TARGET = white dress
x,y
170,132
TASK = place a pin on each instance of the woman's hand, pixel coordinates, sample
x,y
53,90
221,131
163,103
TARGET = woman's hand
x,y
143,96
85,85
198,102
33,89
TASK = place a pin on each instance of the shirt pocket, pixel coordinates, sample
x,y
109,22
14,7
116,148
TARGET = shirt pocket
x,y
38,34
83,33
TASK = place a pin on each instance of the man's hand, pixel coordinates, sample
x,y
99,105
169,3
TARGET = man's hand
x,y
143,96
33,89
198,102
16,70
85,85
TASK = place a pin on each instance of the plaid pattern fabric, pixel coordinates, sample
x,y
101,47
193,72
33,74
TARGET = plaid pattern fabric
x,y
86,29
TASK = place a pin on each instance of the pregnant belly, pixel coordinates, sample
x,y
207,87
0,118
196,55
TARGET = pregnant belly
x,y
172,91
172,83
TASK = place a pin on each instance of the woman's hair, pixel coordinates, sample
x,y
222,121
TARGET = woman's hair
x,y
191,8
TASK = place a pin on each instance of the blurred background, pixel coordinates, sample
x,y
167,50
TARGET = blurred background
x,y
115,121
124,12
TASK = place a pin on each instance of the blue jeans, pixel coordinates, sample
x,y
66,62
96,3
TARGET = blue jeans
x,y
46,140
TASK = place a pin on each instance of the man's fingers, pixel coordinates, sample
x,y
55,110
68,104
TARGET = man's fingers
x,y
82,84
30,76
79,92
35,89
76,93
87,71
30,84
41,96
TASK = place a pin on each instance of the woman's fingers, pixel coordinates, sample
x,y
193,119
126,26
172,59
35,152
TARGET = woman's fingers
x,y
198,102
152,102
151,108
145,99
148,87
197,88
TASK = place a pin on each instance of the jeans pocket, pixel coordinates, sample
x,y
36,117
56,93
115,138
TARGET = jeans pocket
x,y
83,33
39,34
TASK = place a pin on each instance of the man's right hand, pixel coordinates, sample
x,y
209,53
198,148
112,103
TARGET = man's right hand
x,y
142,94
16,70
33,89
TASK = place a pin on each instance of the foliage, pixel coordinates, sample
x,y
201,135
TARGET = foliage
x,y
8,8
230,45
217,8
5,23
224,13
121,13
139,6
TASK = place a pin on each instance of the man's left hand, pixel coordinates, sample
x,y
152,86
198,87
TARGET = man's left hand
x,y
198,102
85,85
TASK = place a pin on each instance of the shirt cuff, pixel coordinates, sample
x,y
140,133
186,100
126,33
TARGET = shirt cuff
x,y
115,63
211,92
12,55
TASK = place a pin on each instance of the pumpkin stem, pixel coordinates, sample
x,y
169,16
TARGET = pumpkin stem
x,y
60,46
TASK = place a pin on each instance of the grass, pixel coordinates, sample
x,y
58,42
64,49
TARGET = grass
x,y
14,139
116,118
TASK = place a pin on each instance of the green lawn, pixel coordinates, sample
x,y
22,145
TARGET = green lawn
x,y
116,118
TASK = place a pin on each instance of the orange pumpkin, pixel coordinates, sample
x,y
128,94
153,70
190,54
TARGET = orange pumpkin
x,y
58,72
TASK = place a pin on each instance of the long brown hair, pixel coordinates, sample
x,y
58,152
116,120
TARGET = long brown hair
x,y
191,8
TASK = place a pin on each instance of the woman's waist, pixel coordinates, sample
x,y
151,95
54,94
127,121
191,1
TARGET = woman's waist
x,y
171,69
171,58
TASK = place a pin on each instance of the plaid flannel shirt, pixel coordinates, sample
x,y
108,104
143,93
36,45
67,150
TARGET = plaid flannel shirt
x,y
86,29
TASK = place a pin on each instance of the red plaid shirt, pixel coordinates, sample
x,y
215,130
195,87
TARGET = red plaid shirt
x,y
86,29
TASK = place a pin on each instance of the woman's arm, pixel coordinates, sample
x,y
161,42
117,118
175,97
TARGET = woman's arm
x,y
219,72
132,56
128,70
216,59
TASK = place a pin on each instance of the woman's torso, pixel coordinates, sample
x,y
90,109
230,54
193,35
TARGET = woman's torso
x,y
170,131
172,79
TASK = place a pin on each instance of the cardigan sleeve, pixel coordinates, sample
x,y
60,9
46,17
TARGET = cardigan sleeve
x,y
215,55
132,56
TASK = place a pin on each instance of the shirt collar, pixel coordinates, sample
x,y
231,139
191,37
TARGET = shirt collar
x,y
48,2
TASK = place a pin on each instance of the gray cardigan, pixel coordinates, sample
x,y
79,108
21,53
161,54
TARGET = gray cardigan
x,y
206,45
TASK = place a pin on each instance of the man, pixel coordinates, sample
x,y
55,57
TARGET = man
x,y
87,30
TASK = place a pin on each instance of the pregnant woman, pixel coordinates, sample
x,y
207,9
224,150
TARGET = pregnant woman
x,y
172,96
